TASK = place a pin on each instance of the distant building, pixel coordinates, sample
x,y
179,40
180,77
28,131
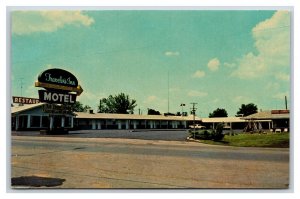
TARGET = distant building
x,y
229,122
276,119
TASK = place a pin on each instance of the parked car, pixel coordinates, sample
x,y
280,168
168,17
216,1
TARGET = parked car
x,y
197,126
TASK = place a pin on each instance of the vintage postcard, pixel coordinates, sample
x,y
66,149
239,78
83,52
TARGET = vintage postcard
x,y
150,99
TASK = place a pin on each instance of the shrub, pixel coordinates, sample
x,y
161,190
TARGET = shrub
x,y
216,134
202,134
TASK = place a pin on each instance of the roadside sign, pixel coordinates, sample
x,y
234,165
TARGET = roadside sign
x,y
25,100
59,79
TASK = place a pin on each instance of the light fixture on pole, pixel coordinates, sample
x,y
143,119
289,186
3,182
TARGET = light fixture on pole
x,y
182,105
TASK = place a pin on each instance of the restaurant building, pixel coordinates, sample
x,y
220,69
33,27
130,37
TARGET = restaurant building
x,y
34,117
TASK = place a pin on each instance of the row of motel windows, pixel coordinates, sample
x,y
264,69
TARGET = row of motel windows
x,y
127,124
38,121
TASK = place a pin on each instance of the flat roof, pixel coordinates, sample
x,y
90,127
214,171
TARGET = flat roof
x,y
222,119
84,115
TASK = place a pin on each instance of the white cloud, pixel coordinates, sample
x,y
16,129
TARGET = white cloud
x,y
282,76
194,93
198,74
172,53
250,66
26,22
230,65
272,43
213,64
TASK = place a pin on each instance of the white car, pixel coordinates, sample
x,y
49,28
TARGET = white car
x,y
197,126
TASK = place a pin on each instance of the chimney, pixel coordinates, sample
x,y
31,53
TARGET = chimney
x,y
91,111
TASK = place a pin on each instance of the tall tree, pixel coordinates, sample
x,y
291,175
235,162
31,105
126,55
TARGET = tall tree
x,y
78,107
120,103
219,112
247,109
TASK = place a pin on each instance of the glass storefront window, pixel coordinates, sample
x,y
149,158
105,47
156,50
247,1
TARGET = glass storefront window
x,y
45,121
35,121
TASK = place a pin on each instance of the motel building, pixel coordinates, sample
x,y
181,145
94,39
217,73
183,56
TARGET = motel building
x,y
37,117
34,117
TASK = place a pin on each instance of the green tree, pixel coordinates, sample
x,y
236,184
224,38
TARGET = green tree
x,y
153,112
247,109
219,112
120,103
78,107
86,108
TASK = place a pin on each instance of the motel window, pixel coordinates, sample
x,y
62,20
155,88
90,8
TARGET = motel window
x,y
35,121
23,121
45,121
68,121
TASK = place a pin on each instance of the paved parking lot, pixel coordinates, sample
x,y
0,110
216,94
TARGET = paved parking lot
x,y
69,162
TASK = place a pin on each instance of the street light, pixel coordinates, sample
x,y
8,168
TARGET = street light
x,y
182,105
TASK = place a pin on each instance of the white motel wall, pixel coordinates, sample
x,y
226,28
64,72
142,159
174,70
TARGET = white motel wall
x,y
131,121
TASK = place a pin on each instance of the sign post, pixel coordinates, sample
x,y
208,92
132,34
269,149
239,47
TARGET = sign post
x,y
61,88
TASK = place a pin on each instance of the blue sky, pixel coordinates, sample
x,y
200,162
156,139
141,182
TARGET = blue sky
x,y
218,59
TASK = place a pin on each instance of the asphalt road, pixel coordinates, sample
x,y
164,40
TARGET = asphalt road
x,y
144,134
133,163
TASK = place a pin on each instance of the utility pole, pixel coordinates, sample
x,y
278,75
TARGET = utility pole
x,y
168,92
285,103
194,114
